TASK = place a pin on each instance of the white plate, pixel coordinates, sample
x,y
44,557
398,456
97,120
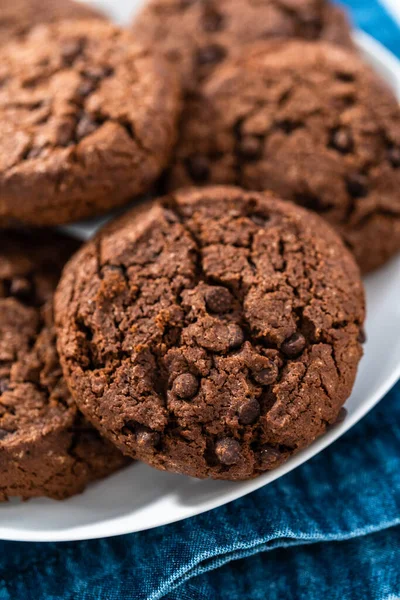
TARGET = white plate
x,y
140,498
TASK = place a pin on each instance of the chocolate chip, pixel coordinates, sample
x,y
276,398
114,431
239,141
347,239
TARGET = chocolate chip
x,y
235,336
34,152
357,185
289,126
250,147
362,336
65,132
210,55
346,77
170,216
294,345
85,127
3,434
71,49
86,87
21,288
269,457
267,376
341,140
341,416
145,438
4,385
98,72
212,21
198,168
394,156
228,451
249,412
259,220
218,300
185,386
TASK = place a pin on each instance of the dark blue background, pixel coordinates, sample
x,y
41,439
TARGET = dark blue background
x,y
330,529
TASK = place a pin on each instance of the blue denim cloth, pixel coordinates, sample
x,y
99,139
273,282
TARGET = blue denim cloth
x,y
330,529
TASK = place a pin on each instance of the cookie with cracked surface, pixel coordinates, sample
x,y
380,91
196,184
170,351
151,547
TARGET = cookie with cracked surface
x,y
47,448
18,17
87,121
195,36
314,124
214,334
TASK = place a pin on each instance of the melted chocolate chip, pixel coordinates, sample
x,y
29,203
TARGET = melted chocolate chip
x,y
228,451
145,438
198,168
267,376
235,336
269,457
218,300
186,386
294,345
249,412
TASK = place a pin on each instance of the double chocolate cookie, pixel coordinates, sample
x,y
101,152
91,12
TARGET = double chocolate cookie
x,y
47,448
214,334
87,120
17,17
314,124
195,36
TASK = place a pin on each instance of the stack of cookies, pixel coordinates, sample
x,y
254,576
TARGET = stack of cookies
x,y
217,330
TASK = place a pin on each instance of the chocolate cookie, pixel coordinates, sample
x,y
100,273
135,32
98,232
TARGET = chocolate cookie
x,y
197,35
314,124
214,334
46,446
17,17
87,120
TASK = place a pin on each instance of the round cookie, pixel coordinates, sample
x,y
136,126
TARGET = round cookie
x,y
17,17
47,448
314,124
87,120
214,334
197,35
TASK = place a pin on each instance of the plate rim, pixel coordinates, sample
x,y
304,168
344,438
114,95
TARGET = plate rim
x,y
368,45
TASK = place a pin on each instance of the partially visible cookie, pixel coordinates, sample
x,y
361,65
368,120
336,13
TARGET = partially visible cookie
x,y
214,334
195,36
87,121
311,122
17,17
47,448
